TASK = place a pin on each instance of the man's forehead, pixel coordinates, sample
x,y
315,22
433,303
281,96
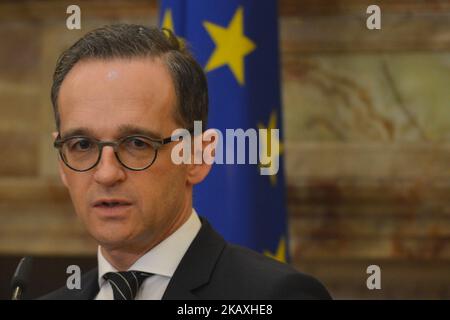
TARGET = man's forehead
x,y
136,76
117,97
112,74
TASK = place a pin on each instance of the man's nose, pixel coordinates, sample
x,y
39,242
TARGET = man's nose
x,y
109,171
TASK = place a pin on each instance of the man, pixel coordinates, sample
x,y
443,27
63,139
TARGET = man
x,y
118,95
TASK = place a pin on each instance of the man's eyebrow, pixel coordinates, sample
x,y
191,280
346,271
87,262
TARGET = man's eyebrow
x,y
77,132
123,130
128,129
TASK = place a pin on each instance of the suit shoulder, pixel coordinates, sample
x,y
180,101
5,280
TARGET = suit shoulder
x,y
58,294
271,278
88,290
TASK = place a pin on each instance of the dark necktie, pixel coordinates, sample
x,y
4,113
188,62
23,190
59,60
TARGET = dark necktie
x,y
125,284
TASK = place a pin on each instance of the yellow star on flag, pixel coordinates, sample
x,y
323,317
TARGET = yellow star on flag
x,y
231,46
266,145
280,255
168,21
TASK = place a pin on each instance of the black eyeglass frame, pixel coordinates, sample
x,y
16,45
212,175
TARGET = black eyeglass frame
x,y
156,143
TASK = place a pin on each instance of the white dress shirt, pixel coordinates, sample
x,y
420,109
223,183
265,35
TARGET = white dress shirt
x,y
162,261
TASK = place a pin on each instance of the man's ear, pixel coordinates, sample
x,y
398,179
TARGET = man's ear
x,y
62,174
208,141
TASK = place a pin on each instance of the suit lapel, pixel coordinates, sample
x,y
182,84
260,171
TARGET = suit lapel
x,y
89,287
197,265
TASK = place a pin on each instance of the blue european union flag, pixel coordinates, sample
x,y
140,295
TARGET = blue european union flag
x,y
236,41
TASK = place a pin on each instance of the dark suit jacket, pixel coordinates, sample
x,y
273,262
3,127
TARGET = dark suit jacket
x,y
215,269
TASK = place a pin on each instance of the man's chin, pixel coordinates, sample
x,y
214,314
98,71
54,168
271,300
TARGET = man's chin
x,y
112,238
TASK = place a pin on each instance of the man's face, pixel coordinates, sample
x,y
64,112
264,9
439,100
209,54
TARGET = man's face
x,y
101,99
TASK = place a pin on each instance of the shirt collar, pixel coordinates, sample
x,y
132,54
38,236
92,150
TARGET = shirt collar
x,y
163,259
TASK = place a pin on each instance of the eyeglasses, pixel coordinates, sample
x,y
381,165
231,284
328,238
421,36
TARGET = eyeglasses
x,y
136,152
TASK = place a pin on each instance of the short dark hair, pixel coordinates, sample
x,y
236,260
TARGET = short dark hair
x,y
136,41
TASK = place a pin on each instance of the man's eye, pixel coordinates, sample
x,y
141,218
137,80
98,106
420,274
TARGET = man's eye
x,y
137,143
81,145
